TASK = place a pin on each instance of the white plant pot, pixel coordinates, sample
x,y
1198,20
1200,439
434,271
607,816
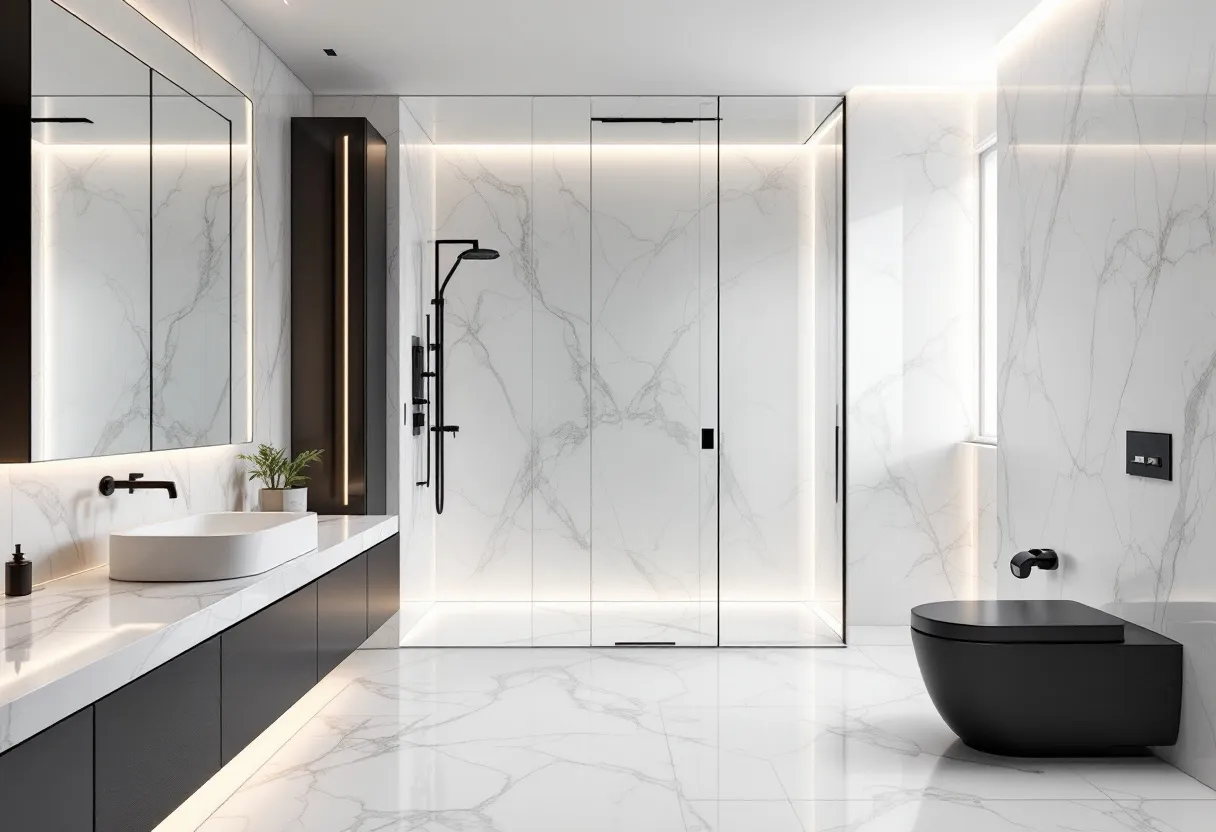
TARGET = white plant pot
x,y
283,499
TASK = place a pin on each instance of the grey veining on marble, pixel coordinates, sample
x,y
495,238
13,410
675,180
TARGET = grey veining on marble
x,y
193,279
79,638
741,740
912,383
1107,248
780,272
94,288
415,263
582,367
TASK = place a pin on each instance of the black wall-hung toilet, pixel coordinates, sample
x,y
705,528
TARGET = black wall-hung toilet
x,y
1048,678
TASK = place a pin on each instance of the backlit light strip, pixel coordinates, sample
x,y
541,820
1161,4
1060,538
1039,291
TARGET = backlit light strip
x,y
346,320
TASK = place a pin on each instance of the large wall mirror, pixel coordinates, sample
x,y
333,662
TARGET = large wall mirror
x,y
140,242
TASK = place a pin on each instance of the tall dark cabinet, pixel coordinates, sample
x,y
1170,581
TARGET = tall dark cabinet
x,y
339,341
15,252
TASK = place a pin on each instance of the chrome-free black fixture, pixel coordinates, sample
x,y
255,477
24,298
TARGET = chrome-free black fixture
x,y
439,427
1048,678
1023,562
109,485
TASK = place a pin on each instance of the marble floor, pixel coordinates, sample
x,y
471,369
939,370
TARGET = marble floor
x,y
734,740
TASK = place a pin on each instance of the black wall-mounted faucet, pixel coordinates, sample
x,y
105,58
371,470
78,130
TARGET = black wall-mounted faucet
x,y
108,485
1023,562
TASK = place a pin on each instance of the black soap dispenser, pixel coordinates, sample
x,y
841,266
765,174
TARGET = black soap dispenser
x,y
18,575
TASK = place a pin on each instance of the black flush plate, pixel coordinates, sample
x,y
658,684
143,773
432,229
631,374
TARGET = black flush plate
x,y
707,439
1150,455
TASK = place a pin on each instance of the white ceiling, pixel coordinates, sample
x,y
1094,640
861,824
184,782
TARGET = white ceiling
x,y
632,47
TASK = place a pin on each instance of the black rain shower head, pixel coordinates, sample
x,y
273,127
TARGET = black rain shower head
x,y
475,253
479,254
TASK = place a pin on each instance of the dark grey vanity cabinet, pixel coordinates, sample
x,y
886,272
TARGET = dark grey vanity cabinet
x,y
46,782
270,661
128,761
341,613
383,582
157,740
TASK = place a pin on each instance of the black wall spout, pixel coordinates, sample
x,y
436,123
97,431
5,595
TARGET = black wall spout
x,y
1023,562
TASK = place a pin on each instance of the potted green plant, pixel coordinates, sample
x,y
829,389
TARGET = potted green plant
x,y
284,485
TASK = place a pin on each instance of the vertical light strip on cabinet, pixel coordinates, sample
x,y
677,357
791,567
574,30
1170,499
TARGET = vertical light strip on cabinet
x,y
346,320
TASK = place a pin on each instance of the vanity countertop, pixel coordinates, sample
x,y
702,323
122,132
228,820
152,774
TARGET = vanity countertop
x,y
77,639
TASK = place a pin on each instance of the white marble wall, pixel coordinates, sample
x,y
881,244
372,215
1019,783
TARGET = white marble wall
x,y
912,376
1107,252
484,538
415,264
53,508
561,352
984,537
780,359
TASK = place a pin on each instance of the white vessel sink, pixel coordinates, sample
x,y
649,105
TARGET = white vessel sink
x,y
211,547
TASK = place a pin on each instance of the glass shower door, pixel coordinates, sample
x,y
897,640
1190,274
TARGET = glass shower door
x,y
654,396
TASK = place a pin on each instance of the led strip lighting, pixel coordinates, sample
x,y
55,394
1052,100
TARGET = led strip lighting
x,y
346,320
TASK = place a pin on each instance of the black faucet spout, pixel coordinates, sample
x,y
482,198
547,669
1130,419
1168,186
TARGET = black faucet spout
x,y
1023,562
109,485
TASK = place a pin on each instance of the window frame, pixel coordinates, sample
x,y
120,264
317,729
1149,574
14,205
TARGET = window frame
x,y
986,423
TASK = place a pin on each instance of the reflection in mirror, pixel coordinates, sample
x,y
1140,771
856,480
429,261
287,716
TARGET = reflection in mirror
x,y
191,270
90,235
141,242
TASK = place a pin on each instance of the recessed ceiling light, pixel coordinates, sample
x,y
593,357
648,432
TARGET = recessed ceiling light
x,y
331,53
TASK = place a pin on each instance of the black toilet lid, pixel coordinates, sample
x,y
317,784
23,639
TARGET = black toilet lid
x,y
1017,622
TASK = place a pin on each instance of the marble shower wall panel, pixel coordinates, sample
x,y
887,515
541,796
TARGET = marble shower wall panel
x,y
763,482
53,508
912,378
483,540
1107,250
191,298
415,265
561,352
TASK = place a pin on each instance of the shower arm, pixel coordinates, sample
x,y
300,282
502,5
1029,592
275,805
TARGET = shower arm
x,y
443,288
440,427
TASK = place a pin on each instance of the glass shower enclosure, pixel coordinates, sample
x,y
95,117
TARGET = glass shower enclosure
x,y
648,381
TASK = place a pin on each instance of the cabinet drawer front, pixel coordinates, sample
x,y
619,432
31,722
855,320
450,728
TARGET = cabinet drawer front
x,y
158,740
341,613
46,782
270,661
383,582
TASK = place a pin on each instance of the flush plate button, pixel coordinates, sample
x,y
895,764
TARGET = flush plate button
x,y
1150,455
